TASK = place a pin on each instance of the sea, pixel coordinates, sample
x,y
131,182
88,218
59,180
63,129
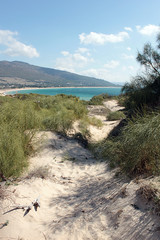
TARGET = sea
x,y
83,93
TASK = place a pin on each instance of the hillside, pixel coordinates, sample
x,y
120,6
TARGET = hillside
x,y
20,74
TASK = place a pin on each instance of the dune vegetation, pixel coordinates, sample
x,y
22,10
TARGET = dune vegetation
x,y
25,114
136,147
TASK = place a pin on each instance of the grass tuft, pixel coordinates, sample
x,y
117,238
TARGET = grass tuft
x,y
41,172
137,149
117,115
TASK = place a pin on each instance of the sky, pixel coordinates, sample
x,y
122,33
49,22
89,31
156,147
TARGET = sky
x,y
96,38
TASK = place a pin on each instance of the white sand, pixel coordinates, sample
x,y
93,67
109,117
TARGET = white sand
x,y
98,134
81,199
113,105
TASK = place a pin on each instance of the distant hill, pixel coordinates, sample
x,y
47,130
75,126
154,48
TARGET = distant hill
x,y
20,74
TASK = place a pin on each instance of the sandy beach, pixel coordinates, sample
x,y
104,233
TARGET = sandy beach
x,y
80,197
3,92
7,90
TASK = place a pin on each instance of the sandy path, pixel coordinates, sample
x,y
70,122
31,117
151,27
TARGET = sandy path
x,y
112,105
100,112
80,200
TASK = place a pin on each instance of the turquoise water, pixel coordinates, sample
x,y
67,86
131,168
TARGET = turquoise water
x,y
82,93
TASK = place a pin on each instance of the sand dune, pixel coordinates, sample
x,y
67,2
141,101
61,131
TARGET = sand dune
x,y
80,197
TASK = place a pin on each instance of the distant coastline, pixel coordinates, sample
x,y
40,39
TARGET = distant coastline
x,y
3,92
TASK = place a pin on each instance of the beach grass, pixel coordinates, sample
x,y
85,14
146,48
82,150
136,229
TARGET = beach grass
x,y
18,123
22,116
116,115
137,149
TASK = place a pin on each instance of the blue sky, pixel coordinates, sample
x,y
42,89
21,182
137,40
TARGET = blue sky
x,y
98,38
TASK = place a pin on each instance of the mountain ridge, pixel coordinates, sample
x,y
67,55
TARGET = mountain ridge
x,y
22,74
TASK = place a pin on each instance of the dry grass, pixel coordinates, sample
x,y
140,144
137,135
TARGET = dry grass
x,y
40,172
147,192
151,195
3,193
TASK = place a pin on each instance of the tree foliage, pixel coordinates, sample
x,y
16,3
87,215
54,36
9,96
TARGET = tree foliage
x,y
144,89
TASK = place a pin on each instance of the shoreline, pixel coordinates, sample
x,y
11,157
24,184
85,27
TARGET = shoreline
x,y
3,92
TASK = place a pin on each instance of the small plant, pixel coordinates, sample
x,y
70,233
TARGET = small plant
x,y
150,194
41,172
95,122
85,122
117,115
67,157
147,192
3,193
98,100
83,127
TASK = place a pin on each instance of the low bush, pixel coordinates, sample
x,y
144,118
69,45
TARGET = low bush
x,y
40,172
95,122
60,121
117,115
18,123
98,100
22,115
137,149
83,127
12,155
85,122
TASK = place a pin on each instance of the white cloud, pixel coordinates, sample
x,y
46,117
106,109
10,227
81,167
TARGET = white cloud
x,y
65,64
131,68
112,64
65,53
72,62
148,29
15,47
125,56
79,58
93,72
100,38
100,73
128,29
83,50
128,48
105,74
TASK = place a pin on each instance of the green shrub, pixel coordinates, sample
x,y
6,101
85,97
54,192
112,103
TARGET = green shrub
x,y
18,123
117,115
140,146
95,122
98,100
23,115
63,112
76,106
83,127
137,150
12,156
85,122
60,121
